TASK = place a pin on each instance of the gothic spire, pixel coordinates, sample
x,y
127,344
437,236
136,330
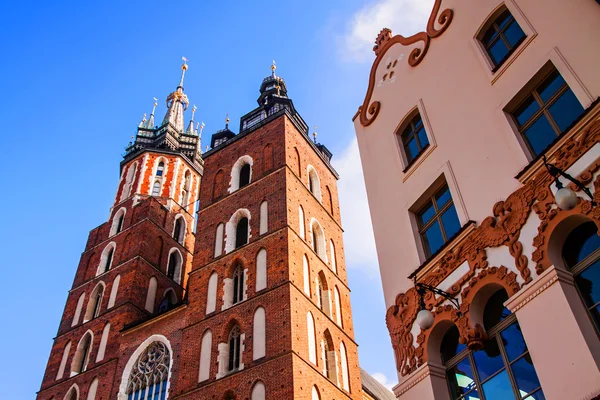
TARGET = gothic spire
x,y
190,128
150,123
177,103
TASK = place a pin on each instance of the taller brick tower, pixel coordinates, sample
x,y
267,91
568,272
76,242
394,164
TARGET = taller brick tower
x,y
266,313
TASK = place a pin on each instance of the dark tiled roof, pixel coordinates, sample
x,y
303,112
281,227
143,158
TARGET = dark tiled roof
x,y
374,388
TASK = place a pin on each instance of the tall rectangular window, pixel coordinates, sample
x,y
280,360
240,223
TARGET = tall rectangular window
x,y
502,37
438,220
546,112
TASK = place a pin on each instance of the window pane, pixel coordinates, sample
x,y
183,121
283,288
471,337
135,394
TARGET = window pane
x,y
504,18
433,238
473,395
488,360
588,283
412,149
498,51
550,86
450,345
539,395
450,221
526,110
540,134
514,33
565,110
489,35
513,341
494,311
443,196
426,213
525,375
580,243
423,141
498,388
460,378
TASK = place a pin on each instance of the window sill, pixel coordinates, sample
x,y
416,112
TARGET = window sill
x,y
412,166
414,160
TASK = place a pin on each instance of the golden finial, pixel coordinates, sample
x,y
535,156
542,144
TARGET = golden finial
x,y
315,134
184,68
273,68
227,121
154,106
202,127
193,111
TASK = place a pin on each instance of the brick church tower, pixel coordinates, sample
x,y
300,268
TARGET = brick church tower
x,y
254,305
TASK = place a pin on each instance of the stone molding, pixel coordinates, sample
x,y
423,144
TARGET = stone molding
x,y
419,375
543,282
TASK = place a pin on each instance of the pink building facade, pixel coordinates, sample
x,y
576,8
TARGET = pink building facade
x,y
453,133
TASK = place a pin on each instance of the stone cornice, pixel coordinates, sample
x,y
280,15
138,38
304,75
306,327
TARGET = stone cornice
x,y
420,374
538,286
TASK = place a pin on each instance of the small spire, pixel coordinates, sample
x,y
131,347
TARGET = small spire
x,y
227,121
143,123
273,68
194,108
201,128
184,68
315,134
190,128
150,123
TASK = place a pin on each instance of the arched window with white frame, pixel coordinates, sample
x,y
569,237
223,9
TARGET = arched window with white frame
x,y
258,391
129,178
314,183
95,302
78,309
315,393
147,373
92,390
114,290
235,349
106,258
329,357
238,285
179,229
205,355
344,363
186,188
219,239
301,230
264,218
237,230
174,265
63,361
156,188
103,343
241,173
117,221
306,275
318,239
72,393
259,345
82,354
261,270
338,307
333,258
323,299
311,337
211,296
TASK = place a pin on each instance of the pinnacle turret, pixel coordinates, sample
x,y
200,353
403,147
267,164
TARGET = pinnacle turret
x,y
177,103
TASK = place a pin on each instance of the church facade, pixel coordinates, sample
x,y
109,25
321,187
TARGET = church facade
x,y
252,303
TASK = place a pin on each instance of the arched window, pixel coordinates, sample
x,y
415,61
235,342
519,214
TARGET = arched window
x,y
82,354
156,188
323,294
318,239
234,343
261,270
114,290
151,295
297,162
344,363
259,334
219,240
179,229
106,258
329,358
205,353
258,391
264,218
73,393
211,296
241,173
244,175
103,342
306,275
218,185
92,390
502,37
333,260
330,198
503,369
581,254
301,222
150,373
237,230
94,303
314,184
128,181
160,169
168,302
238,285
241,232
338,308
78,309
117,224
412,137
174,266
315,393
185,191
63,361
312,342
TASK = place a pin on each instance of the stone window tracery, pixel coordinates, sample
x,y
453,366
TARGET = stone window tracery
x,y
238,285
234,349
149,376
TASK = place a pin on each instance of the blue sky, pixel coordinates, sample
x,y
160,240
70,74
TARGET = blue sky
x,y
76,78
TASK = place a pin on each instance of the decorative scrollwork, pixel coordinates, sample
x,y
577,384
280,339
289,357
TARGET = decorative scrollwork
x,y
369,111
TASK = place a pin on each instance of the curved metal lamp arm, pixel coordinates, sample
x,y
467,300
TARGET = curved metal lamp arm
x,y
556,172
422,287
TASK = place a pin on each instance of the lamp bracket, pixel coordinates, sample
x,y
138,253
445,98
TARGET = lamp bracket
x,y
556,172
422,288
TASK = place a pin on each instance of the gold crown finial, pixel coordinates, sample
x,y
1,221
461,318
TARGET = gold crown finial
x,y
184,66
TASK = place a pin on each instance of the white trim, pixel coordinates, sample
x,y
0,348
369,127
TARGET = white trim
x,y
177,274
205,356
115,221
101,266
151,294
68,395
183,232
231,227
63,361
311,171
78,309
103,342
89,309
93,389
78,348
321,247
113,292
136,354
234,183
142,174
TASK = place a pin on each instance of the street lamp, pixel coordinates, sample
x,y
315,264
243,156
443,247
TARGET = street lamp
x,y
425,317
566,199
